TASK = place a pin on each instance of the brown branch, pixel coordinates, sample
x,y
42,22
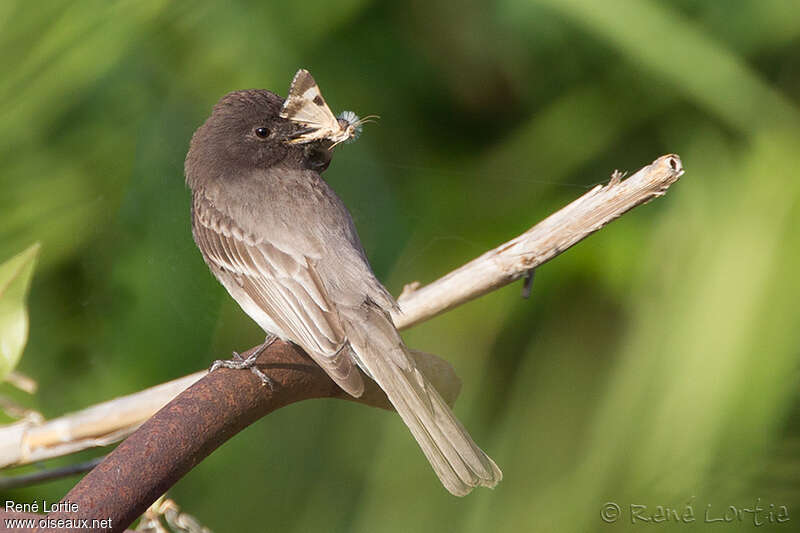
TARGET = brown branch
x,y
221,404
193,425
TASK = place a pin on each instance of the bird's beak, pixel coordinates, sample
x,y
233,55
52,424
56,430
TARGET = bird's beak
x,y
299,136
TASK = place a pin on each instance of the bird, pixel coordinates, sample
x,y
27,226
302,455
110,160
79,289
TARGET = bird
x,y
285,247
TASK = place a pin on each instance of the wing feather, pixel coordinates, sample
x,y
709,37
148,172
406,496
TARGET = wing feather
x,y
277,288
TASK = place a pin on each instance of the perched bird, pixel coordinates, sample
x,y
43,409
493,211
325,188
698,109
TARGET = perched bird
x,y
283,244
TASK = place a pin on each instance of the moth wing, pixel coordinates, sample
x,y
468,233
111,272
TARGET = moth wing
x,y
305,104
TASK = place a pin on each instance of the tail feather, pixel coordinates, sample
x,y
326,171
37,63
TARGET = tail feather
x,y
458,462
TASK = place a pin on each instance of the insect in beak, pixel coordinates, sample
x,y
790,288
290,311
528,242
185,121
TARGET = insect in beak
x,y
305,106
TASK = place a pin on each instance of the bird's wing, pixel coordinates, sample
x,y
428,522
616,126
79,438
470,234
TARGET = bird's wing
x,y
283,286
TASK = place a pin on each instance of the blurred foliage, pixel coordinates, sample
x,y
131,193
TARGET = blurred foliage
x,y
656,363
15,279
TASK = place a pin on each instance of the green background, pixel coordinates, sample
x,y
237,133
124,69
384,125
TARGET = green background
x,y
655,363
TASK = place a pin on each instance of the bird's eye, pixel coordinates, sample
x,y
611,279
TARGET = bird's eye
x,y
262,132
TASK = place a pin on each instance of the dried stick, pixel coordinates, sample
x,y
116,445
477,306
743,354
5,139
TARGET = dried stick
x,y
112,421
99,425
564,228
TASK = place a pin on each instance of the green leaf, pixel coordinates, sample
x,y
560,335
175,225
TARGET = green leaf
x,y
15,278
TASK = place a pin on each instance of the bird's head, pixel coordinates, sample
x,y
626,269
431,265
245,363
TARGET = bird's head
x,y
245,132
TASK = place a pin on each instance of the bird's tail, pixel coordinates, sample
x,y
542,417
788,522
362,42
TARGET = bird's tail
x,y
460,464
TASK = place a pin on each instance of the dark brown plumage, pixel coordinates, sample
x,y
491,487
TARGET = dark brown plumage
x,y
285,247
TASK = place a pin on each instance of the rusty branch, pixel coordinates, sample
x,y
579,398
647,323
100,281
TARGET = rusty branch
x,y
192,426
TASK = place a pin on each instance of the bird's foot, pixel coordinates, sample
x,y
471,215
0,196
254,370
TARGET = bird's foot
x,y
238,362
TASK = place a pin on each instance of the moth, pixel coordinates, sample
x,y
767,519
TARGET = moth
x,y
305,106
